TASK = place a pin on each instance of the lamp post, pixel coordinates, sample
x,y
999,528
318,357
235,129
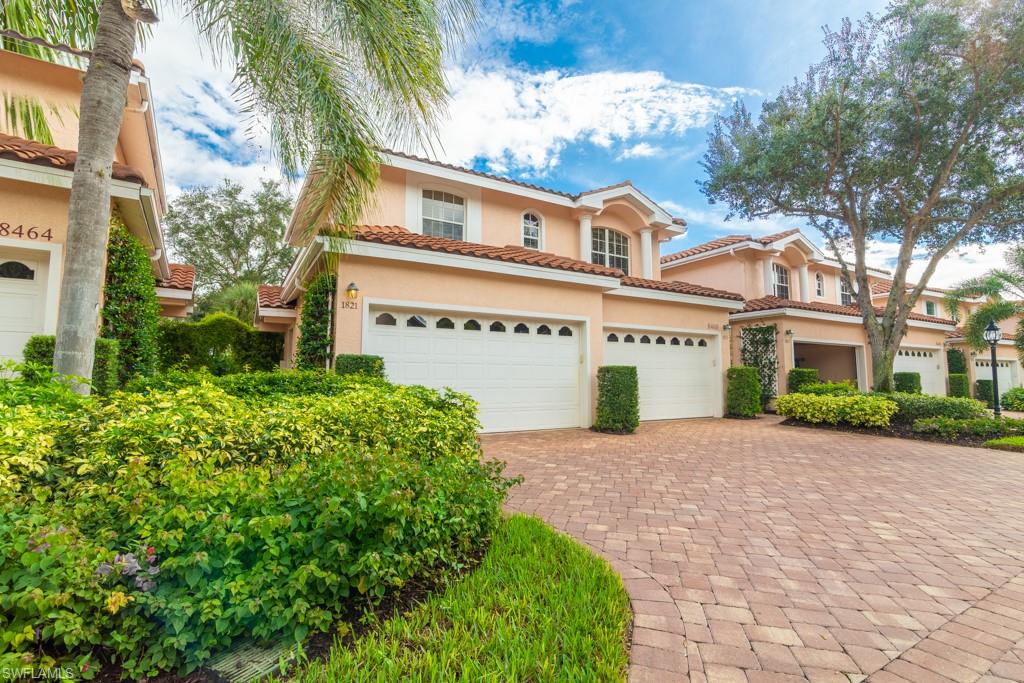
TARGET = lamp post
x,y
992,335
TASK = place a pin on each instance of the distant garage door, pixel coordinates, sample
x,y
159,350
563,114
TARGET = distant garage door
x,y
525,374
1006,372
927,363
677,373
22,301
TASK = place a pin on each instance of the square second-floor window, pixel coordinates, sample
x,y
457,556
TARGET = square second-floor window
x,y
931,308
610,248
780,277
444,215
846,294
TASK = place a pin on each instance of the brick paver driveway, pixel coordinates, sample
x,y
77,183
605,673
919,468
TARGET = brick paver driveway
x,y
758,552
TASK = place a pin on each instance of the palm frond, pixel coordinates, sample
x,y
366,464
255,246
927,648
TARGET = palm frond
x,y
995,310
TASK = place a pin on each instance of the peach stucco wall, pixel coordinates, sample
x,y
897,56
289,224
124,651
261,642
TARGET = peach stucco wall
x,y
726,272
39,206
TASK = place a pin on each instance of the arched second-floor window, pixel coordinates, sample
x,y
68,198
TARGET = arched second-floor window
x,y
444,215
610,248
533,226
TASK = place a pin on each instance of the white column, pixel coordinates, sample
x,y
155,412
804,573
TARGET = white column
x,y
766,274
585,237
647,253
805,287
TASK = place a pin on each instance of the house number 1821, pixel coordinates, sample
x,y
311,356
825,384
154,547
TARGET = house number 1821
x,y
31,232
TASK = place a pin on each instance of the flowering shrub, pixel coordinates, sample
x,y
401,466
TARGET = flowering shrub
x,y
859,411
155,528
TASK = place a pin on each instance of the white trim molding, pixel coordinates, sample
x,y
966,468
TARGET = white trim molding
x,y
174,293
831,317
675,297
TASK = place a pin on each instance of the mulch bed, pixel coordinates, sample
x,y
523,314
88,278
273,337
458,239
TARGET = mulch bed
x,y
897,431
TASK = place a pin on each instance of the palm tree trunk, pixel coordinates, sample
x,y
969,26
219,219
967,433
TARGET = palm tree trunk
x,y
104,94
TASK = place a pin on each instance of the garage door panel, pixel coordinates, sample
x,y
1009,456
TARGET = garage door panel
x,y
1007,373
925,362
23,296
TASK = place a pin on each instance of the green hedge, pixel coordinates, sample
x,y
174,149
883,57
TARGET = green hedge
x,y
130,309
1013,399
985,427
315,335
983,391
959,385
359,364
907,382
917,406
220,343
859,411
845,388
618,399
798,378
238,518
956,362
743,392
38,356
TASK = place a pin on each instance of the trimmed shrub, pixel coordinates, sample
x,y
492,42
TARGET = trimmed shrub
x,y
130,308
315,337
798,378
907,382
845,388
618,399
956,361
359,364
1013,399
914,407
743,392
38,356
959,385
985,427
983,391
859,411
219,343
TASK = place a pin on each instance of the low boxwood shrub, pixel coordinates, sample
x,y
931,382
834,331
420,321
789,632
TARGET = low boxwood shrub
x,y
859,411
983,391
798,378
959,385
38,357
918,406
985,427
1007,443
844,388
907,382
743,392
359,364
1013,399
618,399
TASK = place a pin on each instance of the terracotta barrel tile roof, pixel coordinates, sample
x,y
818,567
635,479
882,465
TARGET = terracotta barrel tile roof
x,y
727,241
769,303
393,234
31,152
183,276
680,288
269,296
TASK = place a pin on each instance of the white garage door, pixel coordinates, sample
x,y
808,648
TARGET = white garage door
x,y
1006,372
927,363
677,373
22,302
525,374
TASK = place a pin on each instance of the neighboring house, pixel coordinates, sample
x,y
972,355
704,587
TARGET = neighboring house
x,y
789,283
515,294
35,184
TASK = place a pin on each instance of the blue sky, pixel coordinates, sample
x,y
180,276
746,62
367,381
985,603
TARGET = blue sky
x,y
570,94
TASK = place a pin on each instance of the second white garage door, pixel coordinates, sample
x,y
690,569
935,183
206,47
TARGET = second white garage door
x,y
525,374
927,363
1006,372
677,372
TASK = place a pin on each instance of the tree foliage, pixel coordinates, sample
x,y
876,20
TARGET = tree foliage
x,y
907,131
1003,289
229,237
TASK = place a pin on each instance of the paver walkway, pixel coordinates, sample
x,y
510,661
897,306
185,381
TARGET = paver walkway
x,y
758,552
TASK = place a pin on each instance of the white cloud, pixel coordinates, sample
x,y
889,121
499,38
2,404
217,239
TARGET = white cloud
x,y
713,218
641,150
961,264
520,120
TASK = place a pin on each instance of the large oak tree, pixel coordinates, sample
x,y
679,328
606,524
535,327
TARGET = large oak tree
x,y
909,131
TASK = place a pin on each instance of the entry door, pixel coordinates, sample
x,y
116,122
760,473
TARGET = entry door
x,y
524,373
927,363
22,301
676,372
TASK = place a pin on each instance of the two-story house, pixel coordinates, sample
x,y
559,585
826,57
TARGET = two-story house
x,y
791,285
35,187
515,294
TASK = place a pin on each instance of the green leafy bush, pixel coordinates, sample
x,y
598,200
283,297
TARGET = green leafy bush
x,y
315,335
914,407
38,356
156,528
359,364
956,362
130,308
618,399
907,382
219,343
959,385
798,378
1013,399
986,427
1007,443
859,411
743,392
983,391
845,388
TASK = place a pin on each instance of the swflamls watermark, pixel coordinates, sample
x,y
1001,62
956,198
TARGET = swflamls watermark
x,y
28,673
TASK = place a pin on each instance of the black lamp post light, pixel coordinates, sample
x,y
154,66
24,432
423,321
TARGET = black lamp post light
x,y
992,335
